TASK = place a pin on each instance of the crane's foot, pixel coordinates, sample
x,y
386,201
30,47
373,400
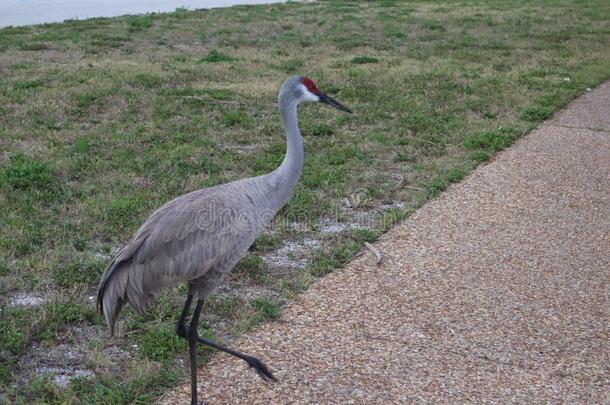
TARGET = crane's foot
x,y
261,368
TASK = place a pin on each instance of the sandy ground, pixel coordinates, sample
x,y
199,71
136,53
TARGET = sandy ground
x,y
497,291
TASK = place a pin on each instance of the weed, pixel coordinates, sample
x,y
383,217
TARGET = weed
x,y
146,80
319,129
480,156
455,175
223,306
34,46
437,185
25,173
82,145
70,272
236,117
535,113
107,40
265,309
161,344
265,243
28,84
215,57
56,315
359,60
70,312
4,269
326,261
139,23
120,212
12,336
491,141
434,25
252,267
291,66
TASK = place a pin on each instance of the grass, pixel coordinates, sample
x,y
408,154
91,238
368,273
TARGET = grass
x,y
214,57
364,59
103,120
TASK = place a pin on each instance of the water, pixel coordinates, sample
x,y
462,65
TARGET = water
x,y
27,12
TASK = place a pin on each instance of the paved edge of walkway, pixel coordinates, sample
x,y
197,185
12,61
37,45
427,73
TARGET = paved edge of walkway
x,y
497,291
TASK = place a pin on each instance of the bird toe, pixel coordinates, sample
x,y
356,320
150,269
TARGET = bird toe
x,y
261,369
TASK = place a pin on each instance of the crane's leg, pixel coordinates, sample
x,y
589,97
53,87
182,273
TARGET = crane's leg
x,y
258,365
181,324
193,336
190,333
185,332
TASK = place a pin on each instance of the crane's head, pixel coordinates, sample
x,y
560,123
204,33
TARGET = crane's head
x,y
300,89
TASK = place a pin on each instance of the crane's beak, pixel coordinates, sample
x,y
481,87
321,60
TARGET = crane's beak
x,y
333,103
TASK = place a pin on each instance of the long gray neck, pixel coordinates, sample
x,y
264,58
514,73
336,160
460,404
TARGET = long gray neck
x,y
290,169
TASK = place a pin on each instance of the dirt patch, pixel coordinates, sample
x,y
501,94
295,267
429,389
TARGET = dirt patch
x,y
78,349
292,254
27,300
62,376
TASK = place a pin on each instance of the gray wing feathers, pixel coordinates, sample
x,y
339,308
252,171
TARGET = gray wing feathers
x,y
178,242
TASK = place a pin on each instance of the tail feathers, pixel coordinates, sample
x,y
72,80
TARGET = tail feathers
x,y
111,294
122,282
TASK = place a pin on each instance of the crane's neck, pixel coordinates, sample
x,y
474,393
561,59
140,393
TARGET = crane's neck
x,y
290,169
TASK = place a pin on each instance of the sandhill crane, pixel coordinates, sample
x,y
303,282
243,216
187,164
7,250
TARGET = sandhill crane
x,y
198,237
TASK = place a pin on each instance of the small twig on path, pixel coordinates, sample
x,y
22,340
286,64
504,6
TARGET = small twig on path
x,y
376,252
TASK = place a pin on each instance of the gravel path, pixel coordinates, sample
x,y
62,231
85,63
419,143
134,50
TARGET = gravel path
x,y
497,291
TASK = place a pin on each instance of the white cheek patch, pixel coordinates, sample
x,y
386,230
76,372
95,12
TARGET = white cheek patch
x,y
308,95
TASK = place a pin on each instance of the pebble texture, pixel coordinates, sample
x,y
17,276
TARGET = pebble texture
x,y
497,291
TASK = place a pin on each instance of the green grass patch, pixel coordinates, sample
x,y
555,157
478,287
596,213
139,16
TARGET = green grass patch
x,y
146,80
319,129
265,309
34,46
71,271
266,243
491,141
252,267
161,344
215,57
236,117
291,66
360,60
13,335
140,23
25,173
536,113
28,84
480,156
120,211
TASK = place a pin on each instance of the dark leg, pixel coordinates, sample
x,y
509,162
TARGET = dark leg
x,y
181,325
191,335
183,331
258,365
192,338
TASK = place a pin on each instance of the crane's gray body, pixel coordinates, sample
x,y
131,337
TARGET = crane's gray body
x,y
199,237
